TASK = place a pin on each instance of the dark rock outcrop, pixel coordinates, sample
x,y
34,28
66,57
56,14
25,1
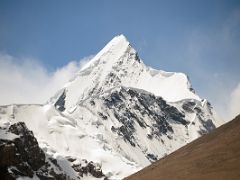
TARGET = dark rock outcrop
x,y
155,108
89,168
21,156
60,104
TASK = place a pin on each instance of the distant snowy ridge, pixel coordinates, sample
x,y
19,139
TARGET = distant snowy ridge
x,y
118,113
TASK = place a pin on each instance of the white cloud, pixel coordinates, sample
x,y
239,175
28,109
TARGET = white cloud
x,y
234,108
212,55
24,80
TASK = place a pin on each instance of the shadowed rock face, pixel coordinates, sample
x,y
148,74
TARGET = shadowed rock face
x,y
27,146
128,103
60,103
215,156
93,168
147,105
22,157
137,110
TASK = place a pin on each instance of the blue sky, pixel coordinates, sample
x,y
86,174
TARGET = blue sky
x,y
199,38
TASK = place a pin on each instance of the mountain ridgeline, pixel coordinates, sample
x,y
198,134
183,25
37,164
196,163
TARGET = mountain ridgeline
x,y
113,118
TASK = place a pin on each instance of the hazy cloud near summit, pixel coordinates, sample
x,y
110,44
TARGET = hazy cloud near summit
x,y
235,102
25,80
212,58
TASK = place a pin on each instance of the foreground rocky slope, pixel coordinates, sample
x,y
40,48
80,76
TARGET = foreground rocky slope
x,y
215,156
118,113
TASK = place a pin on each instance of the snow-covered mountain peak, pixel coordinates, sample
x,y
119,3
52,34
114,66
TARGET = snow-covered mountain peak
x,y
118,64
117,46
116,112
119,38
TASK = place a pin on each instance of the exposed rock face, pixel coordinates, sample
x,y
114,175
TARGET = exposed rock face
x,y
21,156
27,146
89,167
61,102
146,104
130,105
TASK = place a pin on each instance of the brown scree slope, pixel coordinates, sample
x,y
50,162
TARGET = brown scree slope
x,y
215,156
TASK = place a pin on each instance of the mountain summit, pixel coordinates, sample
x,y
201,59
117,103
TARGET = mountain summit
x,y
116,113
118,64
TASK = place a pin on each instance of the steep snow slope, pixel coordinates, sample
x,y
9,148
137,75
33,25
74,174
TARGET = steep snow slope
x,y
117,112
